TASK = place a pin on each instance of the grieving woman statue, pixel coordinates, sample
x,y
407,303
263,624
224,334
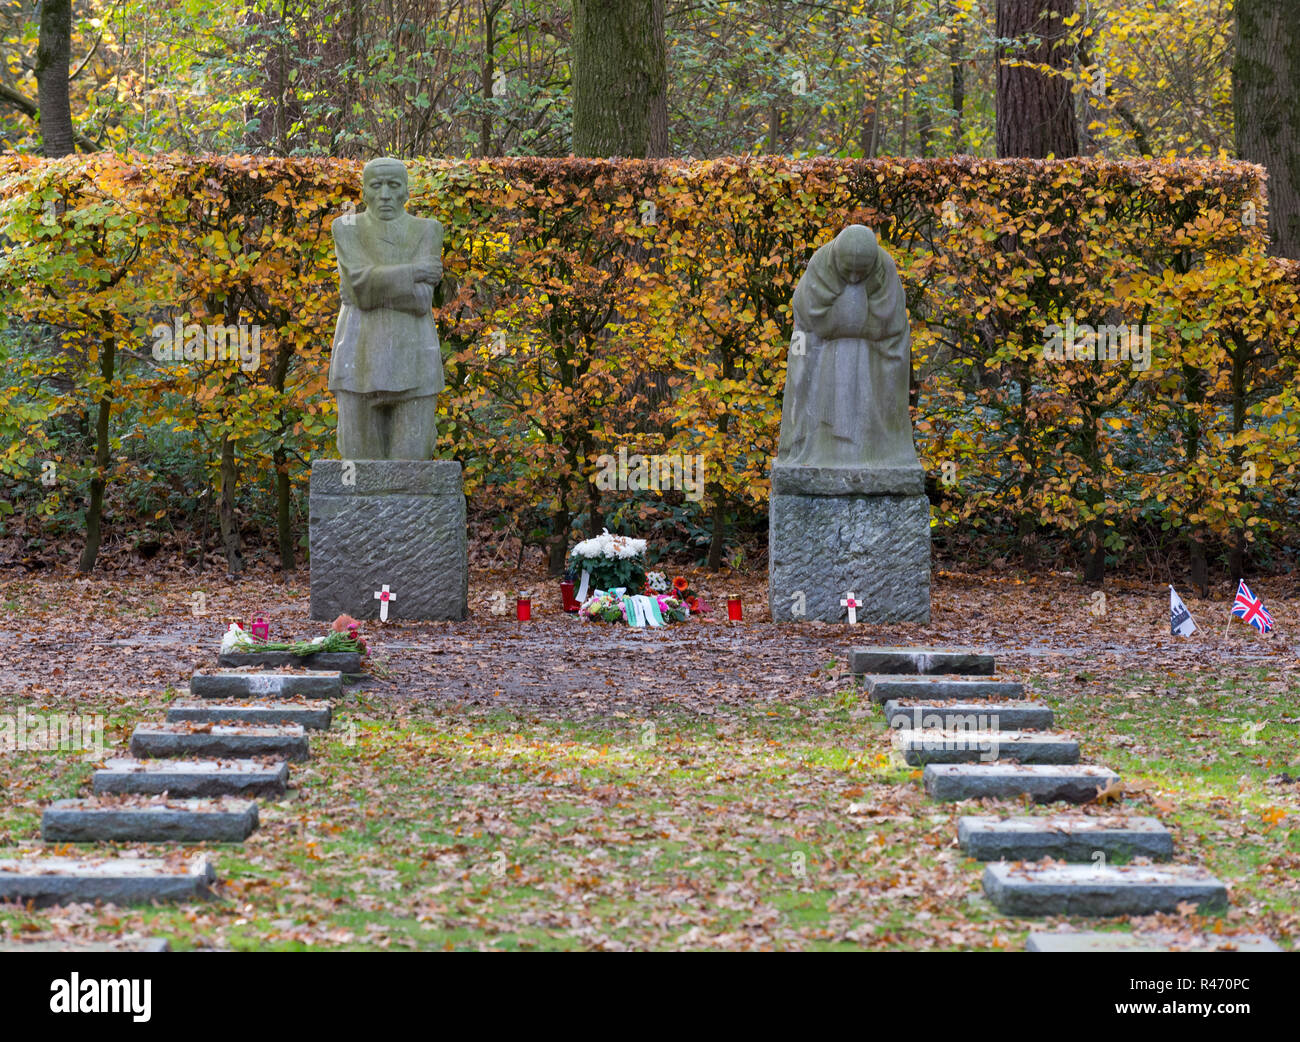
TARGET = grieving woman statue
x,y
846,390
386,364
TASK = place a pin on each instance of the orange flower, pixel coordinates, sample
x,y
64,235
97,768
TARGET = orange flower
x,y
679,584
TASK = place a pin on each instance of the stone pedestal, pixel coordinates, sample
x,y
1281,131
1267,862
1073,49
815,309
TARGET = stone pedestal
x,y
399,523
832,530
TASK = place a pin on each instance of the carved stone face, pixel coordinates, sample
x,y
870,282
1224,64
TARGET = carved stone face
x,y
385,190
854,253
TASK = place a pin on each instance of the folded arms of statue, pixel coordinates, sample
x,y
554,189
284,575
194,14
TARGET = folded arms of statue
x,y
397,287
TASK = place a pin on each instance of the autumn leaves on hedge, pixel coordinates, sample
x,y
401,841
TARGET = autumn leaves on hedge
x,y
592,305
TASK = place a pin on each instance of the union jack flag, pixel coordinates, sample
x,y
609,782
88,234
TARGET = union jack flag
x,y
1249,608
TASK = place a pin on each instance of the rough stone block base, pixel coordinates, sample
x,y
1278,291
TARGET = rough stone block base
x,y
399,523
823,546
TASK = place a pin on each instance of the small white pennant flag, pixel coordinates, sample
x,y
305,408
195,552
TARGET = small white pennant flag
x,y
1181,623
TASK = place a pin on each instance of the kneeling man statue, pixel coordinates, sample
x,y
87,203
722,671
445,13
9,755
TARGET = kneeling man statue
x,y
386,363
387,520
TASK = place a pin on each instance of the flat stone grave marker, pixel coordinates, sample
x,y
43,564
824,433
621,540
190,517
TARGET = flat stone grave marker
x,y
310,714
1030,891
267,685
191,777
142,819
937,746
1066,837
121,881
148,944
919,660
347,662
1154,941
220,741
1043,783
946,714
884,688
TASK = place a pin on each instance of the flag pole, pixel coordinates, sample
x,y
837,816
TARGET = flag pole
x,y
1229,623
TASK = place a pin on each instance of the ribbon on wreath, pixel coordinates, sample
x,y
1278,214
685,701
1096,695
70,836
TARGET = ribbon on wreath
x,y
643,611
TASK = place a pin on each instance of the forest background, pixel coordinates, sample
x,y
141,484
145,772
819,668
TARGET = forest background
x,y
642,303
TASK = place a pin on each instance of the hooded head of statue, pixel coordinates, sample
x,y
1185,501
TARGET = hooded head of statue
x,y
855,253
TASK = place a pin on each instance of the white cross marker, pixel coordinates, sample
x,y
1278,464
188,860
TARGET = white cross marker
x,y
383,596
850,602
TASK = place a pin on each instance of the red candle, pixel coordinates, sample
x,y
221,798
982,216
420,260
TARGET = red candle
x,y
734,613
259,628
566,593
523,608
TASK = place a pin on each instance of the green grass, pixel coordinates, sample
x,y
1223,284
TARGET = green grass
x,y
435,829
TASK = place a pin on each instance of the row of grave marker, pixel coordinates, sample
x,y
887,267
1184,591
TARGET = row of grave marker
x,y
187,780
1017,886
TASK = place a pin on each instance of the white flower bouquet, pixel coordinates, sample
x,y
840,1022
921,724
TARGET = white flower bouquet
x,y
610,561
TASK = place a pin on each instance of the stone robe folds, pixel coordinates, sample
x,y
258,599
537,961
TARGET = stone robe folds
x,y
846,392
385,341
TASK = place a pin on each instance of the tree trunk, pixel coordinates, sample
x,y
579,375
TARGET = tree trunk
x,y
229,523
284,510
620,77
1266,110
1194,388
1027,540
204,527
1200,574
658,144
490,11
53,57
718,536
869,137
958,87
1237,557
1094,567
1241,355
558,549
283,499
728,350
1035,110
95,509
595,519
1026,523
